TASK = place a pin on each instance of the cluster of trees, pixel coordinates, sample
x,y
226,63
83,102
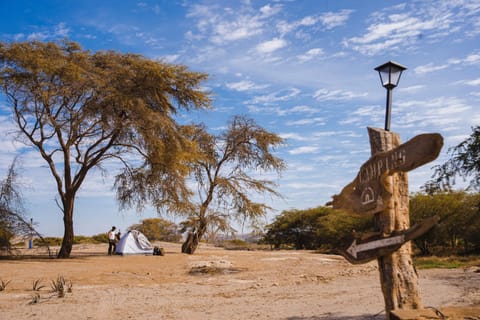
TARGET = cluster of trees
x,y
323,228
79,109
458,231
317,228
158,229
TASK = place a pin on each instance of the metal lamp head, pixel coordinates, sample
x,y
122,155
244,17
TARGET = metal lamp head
x,y
390,73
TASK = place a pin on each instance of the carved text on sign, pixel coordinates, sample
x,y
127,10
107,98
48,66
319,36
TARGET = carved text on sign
x,y
367,194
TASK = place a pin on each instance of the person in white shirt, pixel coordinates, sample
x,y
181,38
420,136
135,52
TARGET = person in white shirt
x,y
111,241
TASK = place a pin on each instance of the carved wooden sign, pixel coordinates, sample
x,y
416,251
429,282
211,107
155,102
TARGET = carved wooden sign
x,y
374,246
366,194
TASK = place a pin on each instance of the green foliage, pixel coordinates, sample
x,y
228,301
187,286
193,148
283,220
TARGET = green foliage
x,y
158,229
95,107
100,238
85,240
447,262
459,228
315,228
55,241
464,162
47,241
223,173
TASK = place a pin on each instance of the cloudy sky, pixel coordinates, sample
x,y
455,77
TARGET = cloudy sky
x,y
302,69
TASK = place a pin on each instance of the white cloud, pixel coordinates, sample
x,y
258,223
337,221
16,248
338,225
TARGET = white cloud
x,y
244,85
411,88
293,136
222,25
328,20
271,45
408,26
303,109
325,94
303,150
268,10
276,96
171,58
307,121
335,19
471,59
429,68
310,54
242,28
475,82
283,111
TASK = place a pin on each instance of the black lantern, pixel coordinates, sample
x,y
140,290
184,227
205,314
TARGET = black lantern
x,y
390,73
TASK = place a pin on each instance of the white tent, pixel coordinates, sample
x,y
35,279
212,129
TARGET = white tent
x,y
134,242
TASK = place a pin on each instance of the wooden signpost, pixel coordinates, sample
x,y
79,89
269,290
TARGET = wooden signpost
x,y
381,188
367,193
366,249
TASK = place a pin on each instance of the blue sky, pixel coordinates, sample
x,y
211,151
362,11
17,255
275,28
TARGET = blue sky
x,y
302,69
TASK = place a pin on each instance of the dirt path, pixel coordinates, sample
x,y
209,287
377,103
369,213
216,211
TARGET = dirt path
x,y
214,284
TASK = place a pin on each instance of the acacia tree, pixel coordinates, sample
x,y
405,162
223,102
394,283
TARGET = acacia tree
x,y
223,171
12,218
225,176
464,162
80,109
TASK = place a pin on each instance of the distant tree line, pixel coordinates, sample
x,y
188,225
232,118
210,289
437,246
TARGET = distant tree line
x,y
316,228
158,229
458,231
323,228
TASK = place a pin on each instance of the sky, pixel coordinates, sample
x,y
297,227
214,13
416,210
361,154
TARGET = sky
x,y
301,69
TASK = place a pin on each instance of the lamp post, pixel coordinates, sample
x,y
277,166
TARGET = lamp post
x,y
390,73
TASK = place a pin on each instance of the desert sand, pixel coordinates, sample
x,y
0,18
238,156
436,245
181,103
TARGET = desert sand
x,y
214,284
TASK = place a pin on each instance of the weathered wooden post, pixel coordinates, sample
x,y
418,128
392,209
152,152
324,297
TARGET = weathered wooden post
x,y
381,188
398,276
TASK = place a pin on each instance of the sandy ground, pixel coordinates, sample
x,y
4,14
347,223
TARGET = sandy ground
x,y
290,285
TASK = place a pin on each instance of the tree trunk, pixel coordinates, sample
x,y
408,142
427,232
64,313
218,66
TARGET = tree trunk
x,y
398,276
191,243
68,234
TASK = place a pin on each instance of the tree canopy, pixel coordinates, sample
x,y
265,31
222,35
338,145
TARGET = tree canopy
x,y
80,109
158,229
464,163
227,175
315,228
459,228
225,172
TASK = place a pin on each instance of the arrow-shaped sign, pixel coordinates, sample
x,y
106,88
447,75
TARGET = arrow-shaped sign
x,y
377,244
366,194
361,251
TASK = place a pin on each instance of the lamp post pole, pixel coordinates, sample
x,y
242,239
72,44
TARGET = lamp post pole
x,y
388,109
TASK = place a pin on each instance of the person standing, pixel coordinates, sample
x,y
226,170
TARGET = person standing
x,y
111,241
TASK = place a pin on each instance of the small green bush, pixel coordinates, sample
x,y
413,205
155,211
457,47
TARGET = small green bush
x,y
100,238
47,241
